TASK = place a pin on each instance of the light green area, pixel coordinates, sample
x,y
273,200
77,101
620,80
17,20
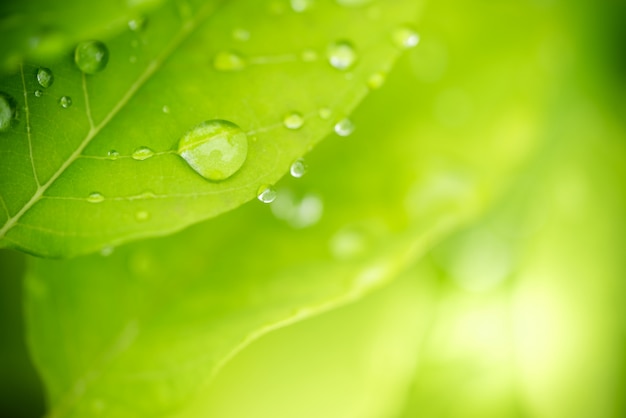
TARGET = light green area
x,y
160,82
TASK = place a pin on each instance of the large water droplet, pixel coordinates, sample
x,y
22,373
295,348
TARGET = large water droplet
x,y
344,127
65,102
45,78
298,168
142,153
341,55
95,197
405,37
266,194
215,149
293,120
91,56
8,110
229,61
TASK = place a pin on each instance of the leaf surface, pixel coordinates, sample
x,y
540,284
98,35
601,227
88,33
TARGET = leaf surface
x,y
158,84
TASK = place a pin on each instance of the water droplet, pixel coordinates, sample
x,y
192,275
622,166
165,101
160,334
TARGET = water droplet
x,y
325,113
241,35
113,155
293,121
266,194
341,55
38,93
91,56
45,78
405,37
344,127
309,55
137,24
376,80
229,61
142,216
65,102
166,109
95,197
298,168
215,149
142,153
300,6
8,109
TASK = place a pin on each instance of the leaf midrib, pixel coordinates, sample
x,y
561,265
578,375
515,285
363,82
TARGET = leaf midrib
x,y
187,28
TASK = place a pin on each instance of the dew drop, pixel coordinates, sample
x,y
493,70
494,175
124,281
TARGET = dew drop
x,y
325,113
137,24
45,78
341,55
38,93
65,102
95,197
215,149
309,55
8,109
266,194
300,6
229,61
113,155
376,80
142,216
293,120
241,35
142,153
298,168
405,37
344,127
91,56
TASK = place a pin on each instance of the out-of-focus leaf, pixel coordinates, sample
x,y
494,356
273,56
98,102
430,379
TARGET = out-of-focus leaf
x,y
65,195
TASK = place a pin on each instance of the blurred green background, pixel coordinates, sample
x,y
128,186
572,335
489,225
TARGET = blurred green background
x,y
520,313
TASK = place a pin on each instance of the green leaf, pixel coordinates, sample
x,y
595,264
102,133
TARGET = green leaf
x,y
36,29
161,82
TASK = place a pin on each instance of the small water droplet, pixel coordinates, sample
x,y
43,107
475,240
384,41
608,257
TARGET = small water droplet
x,y
376,80
113,155
344,127
325,113
137,24
298,168
142,216
309,55
266,194
38,93
229,61
142,153
241,35
45,78
65,102
8,109
95,197
166,109
300,6
405,37
341,55
215,149
293,120
91,56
